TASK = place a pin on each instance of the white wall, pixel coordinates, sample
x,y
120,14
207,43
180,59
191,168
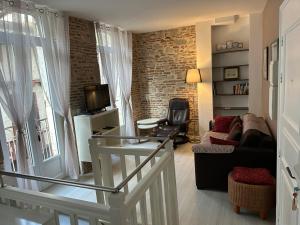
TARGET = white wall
x,y
270,34
255,64
204,63
239,31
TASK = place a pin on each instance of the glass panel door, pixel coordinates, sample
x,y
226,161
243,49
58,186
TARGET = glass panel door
x,y
42,142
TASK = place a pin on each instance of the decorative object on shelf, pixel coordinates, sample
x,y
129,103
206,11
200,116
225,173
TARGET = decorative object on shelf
x,y
265,63
220,47
231,73
193,76
235,44
229,45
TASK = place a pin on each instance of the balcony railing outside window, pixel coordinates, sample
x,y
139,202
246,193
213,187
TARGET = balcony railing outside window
x,y
48,150
44,137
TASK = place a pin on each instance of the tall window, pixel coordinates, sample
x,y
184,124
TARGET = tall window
x,y
103,78
40,135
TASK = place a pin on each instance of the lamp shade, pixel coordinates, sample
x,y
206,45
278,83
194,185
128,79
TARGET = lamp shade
x,y
193,76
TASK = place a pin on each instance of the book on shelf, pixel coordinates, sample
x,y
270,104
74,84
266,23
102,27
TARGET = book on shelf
x,y
241,89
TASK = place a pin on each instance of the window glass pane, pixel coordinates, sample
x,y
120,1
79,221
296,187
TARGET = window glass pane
x,y
10,134
106,38
44,116
9,24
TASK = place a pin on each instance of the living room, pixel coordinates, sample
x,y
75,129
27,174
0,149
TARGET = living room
x,y
167,86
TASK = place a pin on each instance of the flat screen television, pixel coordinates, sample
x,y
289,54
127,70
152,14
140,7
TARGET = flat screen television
x,y
96,97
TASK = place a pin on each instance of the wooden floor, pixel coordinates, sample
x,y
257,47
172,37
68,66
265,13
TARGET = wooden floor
x,y
196,207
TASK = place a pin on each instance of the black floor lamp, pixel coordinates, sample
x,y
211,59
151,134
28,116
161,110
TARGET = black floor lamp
x,y
193,76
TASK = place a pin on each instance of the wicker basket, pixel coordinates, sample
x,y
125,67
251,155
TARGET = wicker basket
x,y
259,198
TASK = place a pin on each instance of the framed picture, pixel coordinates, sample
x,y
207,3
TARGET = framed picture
x,y
266,63
231,73
229,44
235,44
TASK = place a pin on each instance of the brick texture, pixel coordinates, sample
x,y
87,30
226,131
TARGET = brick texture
x,y
84,63
160,62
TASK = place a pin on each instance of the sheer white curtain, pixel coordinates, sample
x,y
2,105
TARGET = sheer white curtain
x,y
55,43
17,40
125,73
115,49
108,58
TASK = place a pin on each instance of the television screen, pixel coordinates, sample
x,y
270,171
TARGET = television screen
x,y
96,97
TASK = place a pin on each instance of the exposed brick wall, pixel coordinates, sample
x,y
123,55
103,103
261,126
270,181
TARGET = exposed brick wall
x,y
84,63
160,62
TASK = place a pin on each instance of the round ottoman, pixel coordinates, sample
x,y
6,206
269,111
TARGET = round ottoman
x,y
259,198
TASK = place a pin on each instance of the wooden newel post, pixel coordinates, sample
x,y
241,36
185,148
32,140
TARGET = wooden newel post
x,y
172,185
118,211
169,145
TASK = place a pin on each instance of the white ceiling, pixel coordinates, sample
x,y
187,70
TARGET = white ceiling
x,y
153,15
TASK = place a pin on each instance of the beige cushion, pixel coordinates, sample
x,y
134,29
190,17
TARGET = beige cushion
x,y
250,121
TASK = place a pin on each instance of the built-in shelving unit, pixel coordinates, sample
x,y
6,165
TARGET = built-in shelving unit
x,y
228,101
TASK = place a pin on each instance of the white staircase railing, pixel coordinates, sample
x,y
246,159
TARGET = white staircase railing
x,y
146,194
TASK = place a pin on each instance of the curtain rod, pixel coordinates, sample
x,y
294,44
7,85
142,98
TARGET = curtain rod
x,y
40,8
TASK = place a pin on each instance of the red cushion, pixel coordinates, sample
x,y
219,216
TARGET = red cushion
x,y
218,141
258,176
222,123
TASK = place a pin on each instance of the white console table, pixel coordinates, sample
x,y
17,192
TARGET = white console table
x,y
106,122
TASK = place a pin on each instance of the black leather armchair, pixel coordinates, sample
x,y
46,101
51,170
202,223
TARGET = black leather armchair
x,y
177,121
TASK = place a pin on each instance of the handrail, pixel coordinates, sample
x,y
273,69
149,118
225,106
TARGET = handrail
x,y
139,167
58,181
128,137
90,186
